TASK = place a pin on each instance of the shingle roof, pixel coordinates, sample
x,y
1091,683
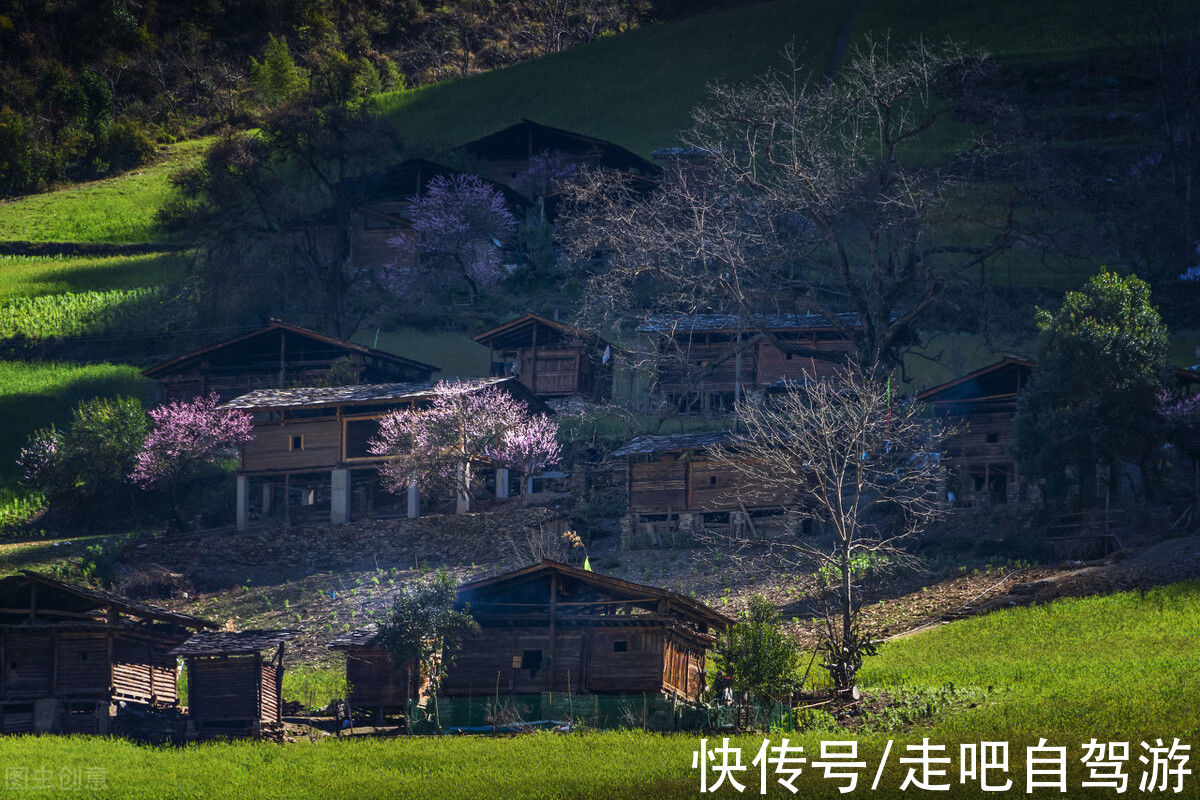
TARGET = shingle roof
x,y
318,396
359,637
674,441
80,598
217,643
668,323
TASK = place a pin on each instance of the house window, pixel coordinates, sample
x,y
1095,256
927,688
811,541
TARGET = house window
x,y
296,443
787,357
992,438
83,656
531,660
712,480
621,646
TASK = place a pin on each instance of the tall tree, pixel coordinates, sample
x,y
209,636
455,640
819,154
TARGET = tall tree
x,y
1091,401
797,194
839,454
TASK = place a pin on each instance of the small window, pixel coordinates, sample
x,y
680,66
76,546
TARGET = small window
x,y
787,357
621,646
531,660
83,656
296,443
712,480
992,438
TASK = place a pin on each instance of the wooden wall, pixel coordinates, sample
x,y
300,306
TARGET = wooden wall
x,y
270,448
758,365
375,680
684,666
687,481
585,659
232,688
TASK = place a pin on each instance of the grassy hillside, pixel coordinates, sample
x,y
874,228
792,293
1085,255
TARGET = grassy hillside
x,y
1116,668
34,276
117,210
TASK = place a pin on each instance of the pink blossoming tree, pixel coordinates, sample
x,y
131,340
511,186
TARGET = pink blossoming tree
x,y
459,228
437,446
529,448
186,435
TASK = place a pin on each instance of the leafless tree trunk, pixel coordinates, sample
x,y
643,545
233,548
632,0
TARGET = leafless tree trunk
x,y
862,471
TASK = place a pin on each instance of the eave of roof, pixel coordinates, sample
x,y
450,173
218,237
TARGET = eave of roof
x,y
215,643
529,318
120,603
276,325
923,397
673,441
685,323
695,607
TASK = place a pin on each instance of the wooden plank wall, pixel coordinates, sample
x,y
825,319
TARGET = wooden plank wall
x,y
224,689
272,693
375,680
656,486
269,450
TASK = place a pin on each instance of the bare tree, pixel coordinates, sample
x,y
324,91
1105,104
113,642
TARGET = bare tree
x,y
799,195
864,473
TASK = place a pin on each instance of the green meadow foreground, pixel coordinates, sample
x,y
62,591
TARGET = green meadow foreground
x,y
1118,667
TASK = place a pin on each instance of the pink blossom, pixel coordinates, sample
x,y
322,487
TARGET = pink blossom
x,y
530,447
459,226
547,171
38,457
187,433
465,423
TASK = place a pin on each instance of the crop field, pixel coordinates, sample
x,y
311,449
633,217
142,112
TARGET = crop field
x,y
33,276
1119,666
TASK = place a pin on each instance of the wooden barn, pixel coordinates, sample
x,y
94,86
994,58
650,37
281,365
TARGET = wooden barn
x,y
70,654
551,358
674,481
276,356
314,442
235,680
706,361
981,456
552,627
504,156
376,680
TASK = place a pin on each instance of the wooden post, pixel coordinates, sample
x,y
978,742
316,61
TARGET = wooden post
x,y
533,363
414,498
282,357
243,502
553,630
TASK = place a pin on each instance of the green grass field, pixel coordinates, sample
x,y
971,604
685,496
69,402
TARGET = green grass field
x,y
1119,667
120,209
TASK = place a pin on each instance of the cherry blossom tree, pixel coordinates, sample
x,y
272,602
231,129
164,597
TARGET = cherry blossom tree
x,y
459,228
187,434
548,171
436,446
529,448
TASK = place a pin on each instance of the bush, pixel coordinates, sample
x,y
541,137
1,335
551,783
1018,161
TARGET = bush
x,y
123,145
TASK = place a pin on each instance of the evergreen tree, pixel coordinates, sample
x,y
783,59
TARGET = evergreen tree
x,y
277,78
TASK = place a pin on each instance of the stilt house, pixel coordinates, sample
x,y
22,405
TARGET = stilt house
x,y
69,654
551,358
276,356
552,627
315,442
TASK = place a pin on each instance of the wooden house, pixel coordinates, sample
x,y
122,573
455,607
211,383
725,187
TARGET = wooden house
x,y
278,355
551,358
376,680
316,441
69,655
235,680
704,362
552,627
674,480
504,156
981,455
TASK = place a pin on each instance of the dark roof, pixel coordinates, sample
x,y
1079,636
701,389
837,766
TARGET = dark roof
x,y
617,586
518,328
228,643
526,138
674,441
359,637
411,178
57,595
984,383
367,394
684,323
182,362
